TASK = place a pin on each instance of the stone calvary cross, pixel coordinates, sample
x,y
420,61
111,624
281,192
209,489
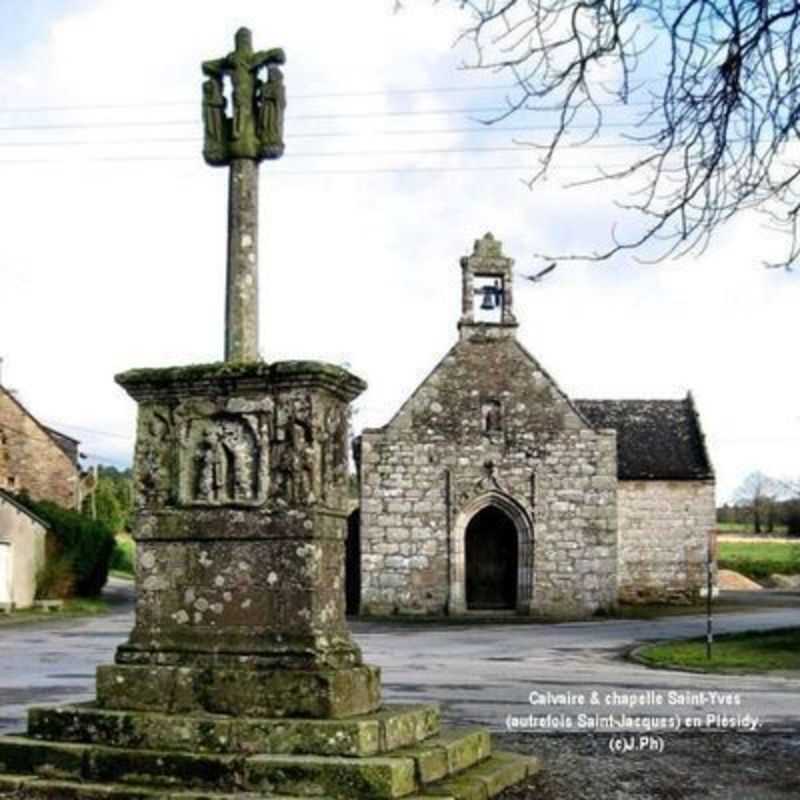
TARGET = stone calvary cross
x,y
240,676
253,133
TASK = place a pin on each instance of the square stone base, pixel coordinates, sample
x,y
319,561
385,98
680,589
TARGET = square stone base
x,y
246,692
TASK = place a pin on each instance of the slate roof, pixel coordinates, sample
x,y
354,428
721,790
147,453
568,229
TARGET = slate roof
x,y
656,439
67,444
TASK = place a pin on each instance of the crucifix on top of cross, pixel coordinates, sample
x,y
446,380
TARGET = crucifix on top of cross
x,y
255,130
253,133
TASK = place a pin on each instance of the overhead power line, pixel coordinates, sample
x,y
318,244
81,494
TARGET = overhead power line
x,y
310,96
515,148
109,434
404,170
66,126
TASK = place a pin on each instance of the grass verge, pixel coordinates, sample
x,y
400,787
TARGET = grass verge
x,y
75,607
758,560
753,651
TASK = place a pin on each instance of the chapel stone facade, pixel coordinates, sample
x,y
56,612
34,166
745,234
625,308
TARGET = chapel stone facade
x,y
491,489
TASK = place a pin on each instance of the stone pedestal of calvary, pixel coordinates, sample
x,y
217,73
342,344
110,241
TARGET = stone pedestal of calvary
x,y
240,678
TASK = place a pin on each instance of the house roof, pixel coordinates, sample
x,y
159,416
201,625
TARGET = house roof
x,y
66,444
656,439
9,498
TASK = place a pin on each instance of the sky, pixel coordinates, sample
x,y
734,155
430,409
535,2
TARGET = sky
x,y
112,253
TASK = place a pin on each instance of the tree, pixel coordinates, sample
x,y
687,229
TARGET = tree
x,y
759,493
709,91
791,506
113,498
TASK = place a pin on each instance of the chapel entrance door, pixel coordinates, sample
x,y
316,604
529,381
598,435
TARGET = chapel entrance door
x,y
491,560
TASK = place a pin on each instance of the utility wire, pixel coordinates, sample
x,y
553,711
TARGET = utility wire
x,y
327,153
312,96
90,430
196,123
45,438
366,171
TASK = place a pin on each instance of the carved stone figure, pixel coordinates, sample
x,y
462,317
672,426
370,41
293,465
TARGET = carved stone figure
x,y
271,107
241,457
333,455
208,469
242,67
152,480
214,122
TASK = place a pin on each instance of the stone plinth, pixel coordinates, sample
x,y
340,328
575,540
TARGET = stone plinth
x,y
241,485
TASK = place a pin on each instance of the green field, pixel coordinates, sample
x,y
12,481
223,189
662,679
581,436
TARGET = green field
x,y
747,527
753,652
760,559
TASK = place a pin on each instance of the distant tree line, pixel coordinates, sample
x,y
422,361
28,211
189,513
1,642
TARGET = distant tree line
x,y
112,503
765,503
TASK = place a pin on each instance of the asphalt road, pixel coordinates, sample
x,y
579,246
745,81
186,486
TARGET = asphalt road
x,y
483,673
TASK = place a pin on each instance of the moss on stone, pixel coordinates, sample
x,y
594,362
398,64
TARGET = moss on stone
x,y
166,376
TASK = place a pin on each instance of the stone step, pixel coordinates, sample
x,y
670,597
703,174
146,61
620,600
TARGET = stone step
x,y
456,763
480,782
336,776
452,751
342,778
43,789
484,780
82,762
392,727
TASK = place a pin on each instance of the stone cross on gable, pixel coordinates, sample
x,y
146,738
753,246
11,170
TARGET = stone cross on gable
x,y
253,133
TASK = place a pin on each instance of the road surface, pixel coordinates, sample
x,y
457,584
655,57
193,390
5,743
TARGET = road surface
x,y
479,673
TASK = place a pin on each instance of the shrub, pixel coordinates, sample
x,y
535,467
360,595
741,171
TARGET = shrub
x,y
55,580
85,543
793,519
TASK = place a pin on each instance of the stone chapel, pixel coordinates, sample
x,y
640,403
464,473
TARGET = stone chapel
x,y
491,489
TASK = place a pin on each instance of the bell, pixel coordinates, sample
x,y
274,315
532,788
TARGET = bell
x,y
489,295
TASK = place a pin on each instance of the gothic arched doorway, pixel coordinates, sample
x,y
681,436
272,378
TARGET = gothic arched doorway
x,y
352,570
492,560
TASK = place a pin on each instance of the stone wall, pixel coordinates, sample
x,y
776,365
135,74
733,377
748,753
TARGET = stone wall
x,y
663,529
26,538
488,427
30,460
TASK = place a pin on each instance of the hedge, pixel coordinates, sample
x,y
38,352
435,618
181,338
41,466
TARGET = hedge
x,y
83,543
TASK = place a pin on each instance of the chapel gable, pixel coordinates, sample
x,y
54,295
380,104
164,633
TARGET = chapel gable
x,y
488,385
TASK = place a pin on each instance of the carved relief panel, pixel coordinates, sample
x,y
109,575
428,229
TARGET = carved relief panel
x,y
284,451
155,468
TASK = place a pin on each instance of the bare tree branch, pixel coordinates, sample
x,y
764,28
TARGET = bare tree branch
x,y
716,104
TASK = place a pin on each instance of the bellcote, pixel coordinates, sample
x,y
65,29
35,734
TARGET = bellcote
x,y
487,299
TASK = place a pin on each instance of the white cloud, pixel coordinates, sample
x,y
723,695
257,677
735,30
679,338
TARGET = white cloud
x,y
106,266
